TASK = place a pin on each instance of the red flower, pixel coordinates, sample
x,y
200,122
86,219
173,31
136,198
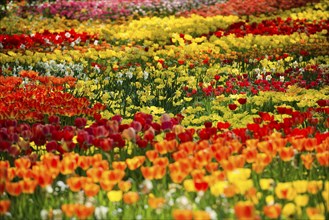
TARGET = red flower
x,y
223,125
232,106
242,101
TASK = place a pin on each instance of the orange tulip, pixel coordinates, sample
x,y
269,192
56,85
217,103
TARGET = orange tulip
x,y
41,174
22,163
69,209
83,211
95,173
287,153
165,146
91,189
323,158
230,191
307,160
272,211
155,203
74,183
4,206
130,197
159,172
189,147
314,186
68,166
84,162
250,154
104,164
235,145
198,174
135,162
180,154
244,210
177,177
29,185
119,165
113,175
107,185
148,172
95,158
161,161
201,215
179,214
267,148
151,155
211,167
14,189
124,186
203,157
52,163
204,144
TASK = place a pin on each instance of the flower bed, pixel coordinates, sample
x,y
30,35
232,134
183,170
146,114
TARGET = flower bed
x,y
218,116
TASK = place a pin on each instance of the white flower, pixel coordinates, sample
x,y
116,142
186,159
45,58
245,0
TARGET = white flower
x,y
67,35
98,70
139,217
101,212
72,44
120,82
49,189
58,214
96,42
295,64
47,41
211,212
78,40
268,77
22,46
145,75
57,37
257,71
146,186
301,70
259,76
44,214
1,45
129,74
61,185
281,78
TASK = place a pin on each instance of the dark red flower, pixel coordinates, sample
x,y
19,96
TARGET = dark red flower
x,y
232,106
242,101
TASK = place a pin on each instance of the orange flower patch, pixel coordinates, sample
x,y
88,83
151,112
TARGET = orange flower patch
x,y
201,215
14,189
155,202
179,214
130,197
244,210
4,206
286,153
119,165
151,155
307,160
135,162
29,185
95,174
90,189
272,211
323,158
113,175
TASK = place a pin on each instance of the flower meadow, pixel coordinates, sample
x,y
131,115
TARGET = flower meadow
x,y
158,109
